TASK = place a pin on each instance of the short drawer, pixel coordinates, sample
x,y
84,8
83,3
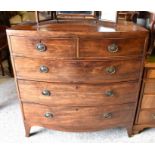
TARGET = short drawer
x,y
148,101
146,116
78,71
44,48
111,47
78,118
77,94
149,87
151,74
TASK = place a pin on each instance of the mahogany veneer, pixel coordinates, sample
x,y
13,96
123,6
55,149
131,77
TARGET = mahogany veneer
x,y
81,76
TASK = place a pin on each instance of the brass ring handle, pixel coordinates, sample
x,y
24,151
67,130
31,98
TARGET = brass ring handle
x,y
44,69
109,93
41,47
46,92
113,48
153,116
48,115
111,70
107,115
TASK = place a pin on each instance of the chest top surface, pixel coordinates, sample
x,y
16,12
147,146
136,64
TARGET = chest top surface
x,y
80,28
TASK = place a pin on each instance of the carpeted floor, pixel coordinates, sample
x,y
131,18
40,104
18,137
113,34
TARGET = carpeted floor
x,y
12,130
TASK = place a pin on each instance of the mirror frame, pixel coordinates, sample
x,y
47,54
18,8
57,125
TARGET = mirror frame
x,y
93,15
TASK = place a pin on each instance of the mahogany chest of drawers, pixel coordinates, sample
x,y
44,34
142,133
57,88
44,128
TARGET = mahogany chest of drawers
x,y
78,76
146,109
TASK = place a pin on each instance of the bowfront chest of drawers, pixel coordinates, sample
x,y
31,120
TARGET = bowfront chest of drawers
x,y
78,76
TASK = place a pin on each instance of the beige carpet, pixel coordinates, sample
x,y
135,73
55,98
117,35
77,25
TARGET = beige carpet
x,y
12,130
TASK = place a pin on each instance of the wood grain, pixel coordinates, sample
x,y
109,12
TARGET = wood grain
x,y
83,29
77,118
151,73
98,48
149,87
77,71
147,116
148,101
55,47
77,94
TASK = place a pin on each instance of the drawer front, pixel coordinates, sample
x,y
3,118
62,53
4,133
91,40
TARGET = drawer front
x,y
146,116
78,118
111,47
151,73
48,48
78,71
148,101
77,94
149,87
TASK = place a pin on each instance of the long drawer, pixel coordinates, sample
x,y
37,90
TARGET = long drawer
x,y
78,118
110,47
44,48
77,71
77,94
